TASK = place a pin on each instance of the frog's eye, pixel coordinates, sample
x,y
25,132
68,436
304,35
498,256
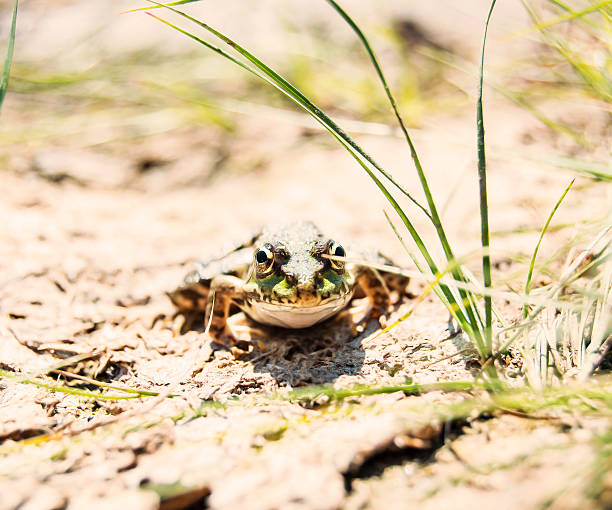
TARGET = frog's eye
x,y
336,250
264,259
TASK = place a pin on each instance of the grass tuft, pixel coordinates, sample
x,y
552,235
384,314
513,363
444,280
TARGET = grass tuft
x,y
6,70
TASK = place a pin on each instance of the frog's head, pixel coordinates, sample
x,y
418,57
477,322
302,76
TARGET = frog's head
x,y
294,270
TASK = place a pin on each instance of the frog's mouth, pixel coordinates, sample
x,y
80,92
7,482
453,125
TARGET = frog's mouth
x,y
296,315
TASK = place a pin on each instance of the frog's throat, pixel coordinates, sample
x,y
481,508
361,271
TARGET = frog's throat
x,y
293,315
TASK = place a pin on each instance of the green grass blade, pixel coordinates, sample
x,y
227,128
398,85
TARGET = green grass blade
x,y
535,251
9,55
101,384
71,391
570,15
484,206
274,79
466,300
573,15
208,45
178,2
310,393
349,147
434,216
442,291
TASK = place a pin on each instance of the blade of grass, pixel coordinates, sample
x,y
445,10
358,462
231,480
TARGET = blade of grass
x,y
270,77
473,326
434,216
71,391
571,15
9,55
484,206
95,382
310,393
413,153
443,292
535,251
178,2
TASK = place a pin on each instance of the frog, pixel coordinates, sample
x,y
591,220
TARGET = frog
x,y
286,275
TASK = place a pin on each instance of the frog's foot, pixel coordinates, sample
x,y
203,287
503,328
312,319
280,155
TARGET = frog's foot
x,y
224,338
360,315
178,323
249,331
367,312
217,326
378,298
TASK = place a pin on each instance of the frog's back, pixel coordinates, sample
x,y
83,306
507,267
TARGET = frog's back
x,y
290,233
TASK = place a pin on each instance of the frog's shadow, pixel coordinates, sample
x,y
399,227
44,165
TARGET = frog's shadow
x,y
316,355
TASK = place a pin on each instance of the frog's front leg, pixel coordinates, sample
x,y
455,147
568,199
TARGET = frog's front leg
x,y
375,289
225,290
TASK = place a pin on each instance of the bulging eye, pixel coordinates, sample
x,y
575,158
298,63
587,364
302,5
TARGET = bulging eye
x,y
264,258
336,250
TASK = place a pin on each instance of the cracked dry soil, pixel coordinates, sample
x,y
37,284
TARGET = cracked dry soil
x,y
114,323
85,274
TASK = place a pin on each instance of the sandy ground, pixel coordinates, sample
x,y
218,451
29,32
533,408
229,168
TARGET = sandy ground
x,y
97,226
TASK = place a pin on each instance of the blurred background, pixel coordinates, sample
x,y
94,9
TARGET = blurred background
x,y
128,132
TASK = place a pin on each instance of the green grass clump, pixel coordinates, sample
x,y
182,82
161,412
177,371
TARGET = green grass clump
x,y
574,332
